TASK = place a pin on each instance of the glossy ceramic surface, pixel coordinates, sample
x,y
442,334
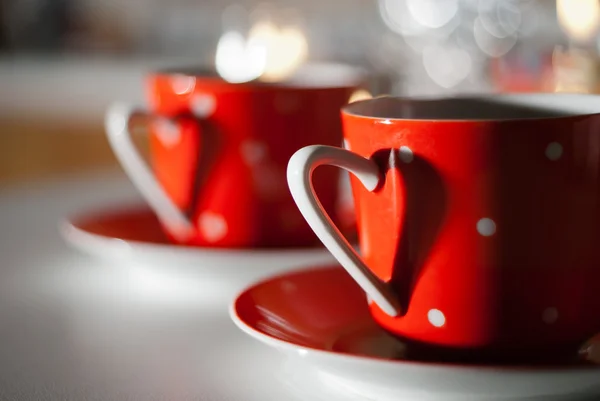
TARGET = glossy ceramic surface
x,y
319,317
480,218
132,233
219,153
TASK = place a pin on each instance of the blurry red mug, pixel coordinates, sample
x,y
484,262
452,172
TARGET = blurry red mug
x,y
219,151
478,218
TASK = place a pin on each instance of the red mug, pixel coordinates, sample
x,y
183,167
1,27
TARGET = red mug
x,y
219,151
478,219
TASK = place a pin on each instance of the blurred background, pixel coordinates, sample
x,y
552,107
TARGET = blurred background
x,y
63,61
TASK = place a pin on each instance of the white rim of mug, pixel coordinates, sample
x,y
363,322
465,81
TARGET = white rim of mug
x,y
571,104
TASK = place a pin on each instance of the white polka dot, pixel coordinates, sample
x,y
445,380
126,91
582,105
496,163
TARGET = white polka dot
x,y
346,145
486,227
182,84
550,315
554,151
369,300
213,226
436,318
406,154
167,132
253,152
203,105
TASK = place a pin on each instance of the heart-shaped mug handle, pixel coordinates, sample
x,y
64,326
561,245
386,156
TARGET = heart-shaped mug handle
x,y
118,121
299,177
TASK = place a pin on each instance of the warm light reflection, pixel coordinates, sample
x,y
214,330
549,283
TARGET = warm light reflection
x,y
239,60
574,71
591,350
269,53
360,94
579,18
286,49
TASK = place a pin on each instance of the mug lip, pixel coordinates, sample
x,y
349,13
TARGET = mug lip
x,y
312,75
570,105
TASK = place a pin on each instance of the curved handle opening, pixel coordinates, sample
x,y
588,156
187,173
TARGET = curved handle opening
x,y
299,175
118,122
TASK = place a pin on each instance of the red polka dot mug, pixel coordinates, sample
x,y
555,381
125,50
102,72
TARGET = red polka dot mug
x,y
478,219
219,151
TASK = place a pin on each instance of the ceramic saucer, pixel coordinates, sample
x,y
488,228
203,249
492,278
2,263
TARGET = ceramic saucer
x,y
132,234
320,317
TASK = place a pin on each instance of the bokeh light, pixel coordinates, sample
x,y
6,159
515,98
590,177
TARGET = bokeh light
x,y
432,13
580,19
270,52
360,94
447,65
238,59
491,44
499,18
286,49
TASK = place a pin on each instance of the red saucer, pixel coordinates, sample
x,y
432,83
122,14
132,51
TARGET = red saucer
x,y
132,233
130,223
138,223
321,316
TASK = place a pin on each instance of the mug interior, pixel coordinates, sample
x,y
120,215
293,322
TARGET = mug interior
x,y
487,107
307,76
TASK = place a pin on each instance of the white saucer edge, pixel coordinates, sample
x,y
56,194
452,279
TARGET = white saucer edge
x,y
483,382
97,245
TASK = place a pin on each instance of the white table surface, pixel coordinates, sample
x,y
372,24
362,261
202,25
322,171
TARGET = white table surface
x,y
73,327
